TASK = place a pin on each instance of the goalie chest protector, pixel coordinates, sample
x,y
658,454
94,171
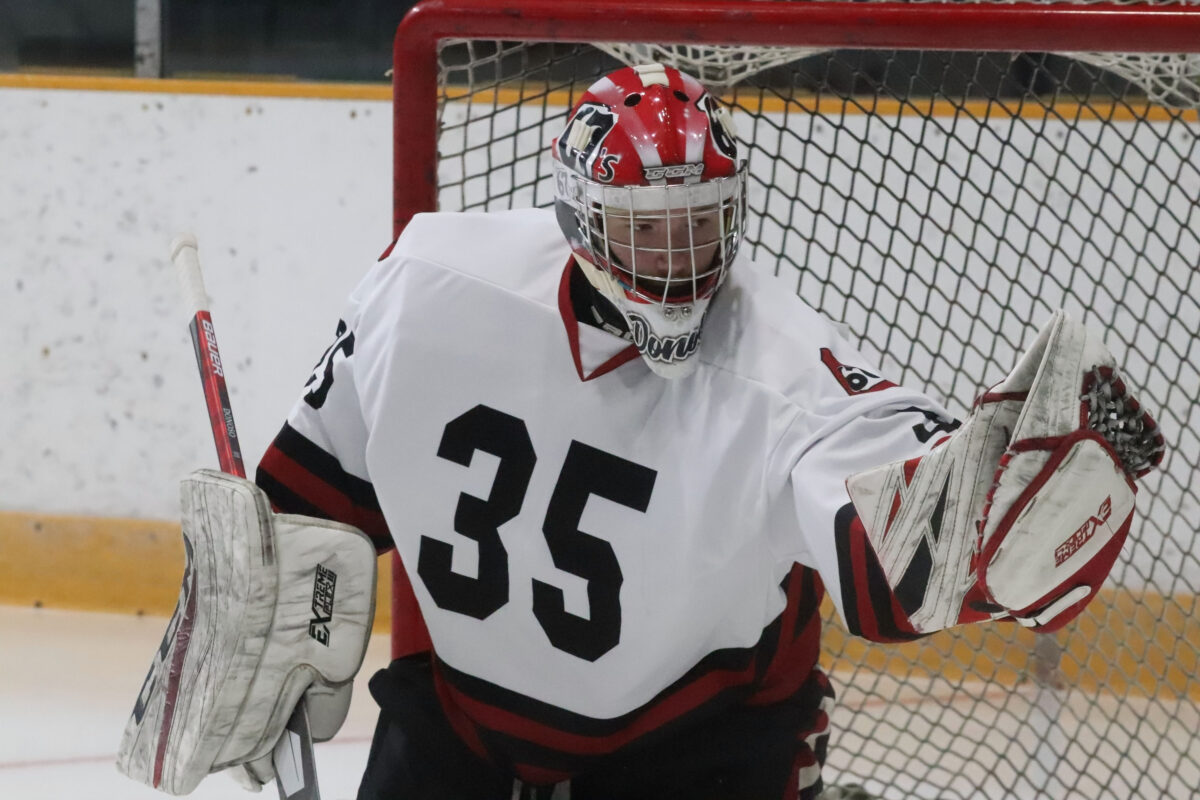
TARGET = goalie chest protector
x,y
582,543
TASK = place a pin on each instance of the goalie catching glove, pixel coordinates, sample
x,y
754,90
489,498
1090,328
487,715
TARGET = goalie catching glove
x,y
1022,512
272,607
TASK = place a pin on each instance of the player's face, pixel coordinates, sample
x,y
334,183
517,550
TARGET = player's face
x,y
662,252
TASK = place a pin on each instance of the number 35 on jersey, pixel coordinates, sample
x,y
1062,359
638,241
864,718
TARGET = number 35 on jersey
x,y
584,472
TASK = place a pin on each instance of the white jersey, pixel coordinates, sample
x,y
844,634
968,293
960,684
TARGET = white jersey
x,y
584,537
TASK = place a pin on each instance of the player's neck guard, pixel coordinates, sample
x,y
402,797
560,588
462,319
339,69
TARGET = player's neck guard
x,y
666,335
591,307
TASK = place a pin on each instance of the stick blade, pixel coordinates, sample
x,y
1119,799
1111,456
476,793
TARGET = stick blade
x,y
295,765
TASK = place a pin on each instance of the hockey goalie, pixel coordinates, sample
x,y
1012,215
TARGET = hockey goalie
x,y
621,470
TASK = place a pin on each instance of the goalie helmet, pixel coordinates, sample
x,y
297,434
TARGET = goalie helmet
x,y
651,196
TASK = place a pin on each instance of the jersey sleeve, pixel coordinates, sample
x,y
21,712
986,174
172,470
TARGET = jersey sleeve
x,y
316,464
849,435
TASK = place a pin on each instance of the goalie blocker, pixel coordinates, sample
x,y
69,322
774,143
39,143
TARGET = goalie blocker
x,y
272,607
1022,512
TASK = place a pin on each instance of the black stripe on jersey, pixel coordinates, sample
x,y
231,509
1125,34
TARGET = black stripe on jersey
x,y
548,757
846,574
301,478
894,626
733,660
284,499
808,602
859,567
541,742
325,466
799,648
530,760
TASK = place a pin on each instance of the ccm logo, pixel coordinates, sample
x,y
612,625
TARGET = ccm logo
x,y
1080,537
673,171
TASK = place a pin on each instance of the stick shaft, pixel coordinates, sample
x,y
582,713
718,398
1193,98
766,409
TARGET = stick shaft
x,y
185,256
216,394
295,766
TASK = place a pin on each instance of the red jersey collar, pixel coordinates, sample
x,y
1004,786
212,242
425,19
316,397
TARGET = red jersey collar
x,y
565,309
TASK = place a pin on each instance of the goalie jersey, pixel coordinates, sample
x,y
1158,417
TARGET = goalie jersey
x,y
598,553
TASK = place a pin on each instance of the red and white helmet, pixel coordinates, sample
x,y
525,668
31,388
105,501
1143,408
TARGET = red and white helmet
x,y
651,196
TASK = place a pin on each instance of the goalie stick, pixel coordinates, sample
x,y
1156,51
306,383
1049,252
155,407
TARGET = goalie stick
x,y
292,757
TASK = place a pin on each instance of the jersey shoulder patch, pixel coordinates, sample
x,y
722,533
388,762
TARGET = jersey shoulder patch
x,y
853,379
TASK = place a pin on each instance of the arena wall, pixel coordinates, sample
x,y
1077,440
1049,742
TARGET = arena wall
x,y
288,189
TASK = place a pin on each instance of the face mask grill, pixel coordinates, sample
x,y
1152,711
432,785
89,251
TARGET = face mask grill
x,y
666,244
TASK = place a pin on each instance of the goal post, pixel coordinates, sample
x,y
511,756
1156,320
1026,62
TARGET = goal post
x,y
936,177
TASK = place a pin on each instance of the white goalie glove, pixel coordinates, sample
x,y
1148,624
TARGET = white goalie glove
x,y
1022,512
272,607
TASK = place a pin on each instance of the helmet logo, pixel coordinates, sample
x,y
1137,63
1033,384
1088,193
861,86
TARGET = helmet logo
x,y
580,144
673,171
720,126
604,170
661,348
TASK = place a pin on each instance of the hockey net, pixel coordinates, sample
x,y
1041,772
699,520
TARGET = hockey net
x,y
939,203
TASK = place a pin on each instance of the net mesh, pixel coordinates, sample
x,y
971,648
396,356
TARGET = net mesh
x,y
940,206
1168,78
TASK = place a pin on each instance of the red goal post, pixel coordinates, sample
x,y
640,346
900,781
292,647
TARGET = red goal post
x,y
905,183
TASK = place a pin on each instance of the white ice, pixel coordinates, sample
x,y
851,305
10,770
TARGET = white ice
x,y
68,681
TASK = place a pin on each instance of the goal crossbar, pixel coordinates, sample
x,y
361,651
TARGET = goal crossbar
x,y
1058,27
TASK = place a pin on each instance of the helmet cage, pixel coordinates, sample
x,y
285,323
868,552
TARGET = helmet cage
x,y
602,212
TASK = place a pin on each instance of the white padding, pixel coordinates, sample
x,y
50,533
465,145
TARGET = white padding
x,y
1062,503
272,607
920,515
1019,508
1058,527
